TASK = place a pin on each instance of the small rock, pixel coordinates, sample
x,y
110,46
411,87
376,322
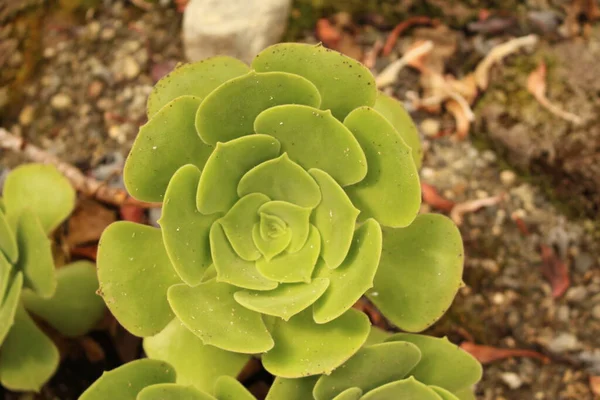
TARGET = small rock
x,y
229,27
93,29
61,101
511,380
564,342
95,88
26,115
430,127
508,177
596,312
49,52
108,33
583,262
562,313
576,294
131,68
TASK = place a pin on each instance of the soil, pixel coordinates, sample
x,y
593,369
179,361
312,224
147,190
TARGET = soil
x,y
75,83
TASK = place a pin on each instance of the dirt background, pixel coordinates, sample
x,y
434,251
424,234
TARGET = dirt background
x,y
74,81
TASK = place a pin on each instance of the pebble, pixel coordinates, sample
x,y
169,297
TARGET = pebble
x,y
583,262
131,68
596,312
95,88
430,127
508,177
26,115
576,294
564,342
108,34
511,380
61,101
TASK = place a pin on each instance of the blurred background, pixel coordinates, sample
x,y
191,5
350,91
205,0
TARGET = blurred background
x,y
506,96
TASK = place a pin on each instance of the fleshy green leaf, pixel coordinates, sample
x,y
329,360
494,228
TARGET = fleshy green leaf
x,y
395,113
196,363
210,312
271,245
465,394
369,368
9,307
231,268
6,270
8,242
75,307
228,388
126,381
184,229
195,79
443,393
217,191
406,389
391,192
354,277
303,347
419,273
229,111
239,222
377,335
281,179
292,389
335,218
296,217
285,301
315,139
293,267
172,391
167,142
349,394
28,358
134,273
41,188
35,255
343,82
436,355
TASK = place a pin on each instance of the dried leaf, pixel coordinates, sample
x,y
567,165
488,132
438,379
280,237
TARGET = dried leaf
x,y
496,55
132,213
389,75
488,354
555,271
88,221
595,385
327,33
89,252
434,199
536,85
462,120
93,351
401,27
472,205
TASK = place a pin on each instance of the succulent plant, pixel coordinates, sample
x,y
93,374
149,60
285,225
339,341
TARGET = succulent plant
x,y
290,189
37,198
403,366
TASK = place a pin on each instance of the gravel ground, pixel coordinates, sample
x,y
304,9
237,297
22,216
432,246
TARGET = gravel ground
x,y
83,97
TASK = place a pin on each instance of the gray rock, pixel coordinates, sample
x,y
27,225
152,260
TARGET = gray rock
x,y
233,28
564,342
583,262
511,380
576,294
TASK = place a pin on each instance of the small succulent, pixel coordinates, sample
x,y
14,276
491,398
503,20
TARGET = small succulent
x,y
290,189
402,366
36,199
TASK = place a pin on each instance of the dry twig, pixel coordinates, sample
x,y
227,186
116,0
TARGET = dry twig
x,y
84,184
401,27
472,205
390,73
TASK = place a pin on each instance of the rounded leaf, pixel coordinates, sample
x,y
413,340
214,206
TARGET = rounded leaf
x,y
35,255
354,277
228,388
315,139
285,301
404,389
369,368
349,394
75,307
436,357
292,389
167,142
134,273
42,189
396,114
8,307
185,231
303,347
172,391
443,393
8,241
296,217
126,381
377,335
195,79
28,358
229,111
211,313
391,192
419,273
196,364
343,82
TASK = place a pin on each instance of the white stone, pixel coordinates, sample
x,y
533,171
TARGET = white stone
x,y
239,29
61,101
511,380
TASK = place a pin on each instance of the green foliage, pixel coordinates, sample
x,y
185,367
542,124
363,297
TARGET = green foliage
x,y
37,198
289,191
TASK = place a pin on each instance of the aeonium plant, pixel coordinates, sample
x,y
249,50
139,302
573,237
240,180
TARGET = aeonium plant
x,y
400,366
36,199
290,189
